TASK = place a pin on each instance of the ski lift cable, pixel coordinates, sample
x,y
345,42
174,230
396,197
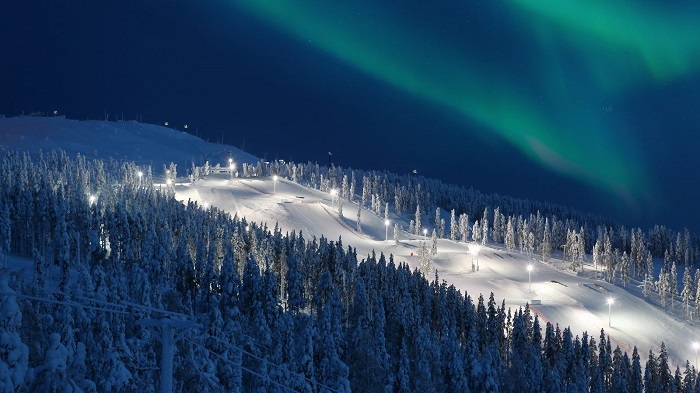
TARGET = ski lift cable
x,y
65,303
128,305
267,378
264,360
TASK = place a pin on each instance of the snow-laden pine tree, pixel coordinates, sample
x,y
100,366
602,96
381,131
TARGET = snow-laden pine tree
x,y
351,196
597,254
437,221
497,226
425,262
624,269
673,284
509,241
662,288
454,229
608,259
359,218
14,354
546,246
433,239
418,221
464,227
688,292
647,285
530,244
476,232
396,233
345,188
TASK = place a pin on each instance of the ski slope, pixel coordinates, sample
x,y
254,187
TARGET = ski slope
x,y
576,300
567,299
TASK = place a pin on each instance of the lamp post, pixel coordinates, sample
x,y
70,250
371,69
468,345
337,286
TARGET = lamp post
x,y
386,232
425,232
140,175
274,186
610,302
529,280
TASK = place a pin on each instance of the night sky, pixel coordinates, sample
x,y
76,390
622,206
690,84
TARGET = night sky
x,y
592,104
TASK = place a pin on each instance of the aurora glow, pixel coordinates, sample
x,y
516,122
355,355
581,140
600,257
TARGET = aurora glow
x,y
553,132
662,38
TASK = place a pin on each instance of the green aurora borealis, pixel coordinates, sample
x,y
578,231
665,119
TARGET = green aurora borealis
x,y
553,115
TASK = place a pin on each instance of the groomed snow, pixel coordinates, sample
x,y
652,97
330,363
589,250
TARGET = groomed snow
x,y
567,299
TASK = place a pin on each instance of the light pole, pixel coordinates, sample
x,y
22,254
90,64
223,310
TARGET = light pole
x,y
140,175
386,232
610,302
529,280
425,232
696,346
274,186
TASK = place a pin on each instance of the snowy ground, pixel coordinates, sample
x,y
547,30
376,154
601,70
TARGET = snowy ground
x,y
569,299
566,298
144,144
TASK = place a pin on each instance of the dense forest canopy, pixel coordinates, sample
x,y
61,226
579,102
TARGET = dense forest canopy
x,y
259,310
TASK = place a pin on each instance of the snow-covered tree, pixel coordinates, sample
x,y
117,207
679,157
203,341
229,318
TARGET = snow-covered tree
x,y
454,228
396,233
673,284
624,269
418,221
597,254
433,249
546,246
497,226
425,262
608,259
509,241
14,354
688,292
438,223
359,218
464,227
530,244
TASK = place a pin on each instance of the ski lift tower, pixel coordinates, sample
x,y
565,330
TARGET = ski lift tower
x,y
167,341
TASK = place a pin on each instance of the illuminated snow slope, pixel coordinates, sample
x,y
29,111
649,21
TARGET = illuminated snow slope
x,y
572,300
568,299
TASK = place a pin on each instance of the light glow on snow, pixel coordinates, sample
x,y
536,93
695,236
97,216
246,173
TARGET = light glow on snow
x,y
567,299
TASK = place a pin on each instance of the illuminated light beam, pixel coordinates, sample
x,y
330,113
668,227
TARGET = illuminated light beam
x,y
664,39
393,54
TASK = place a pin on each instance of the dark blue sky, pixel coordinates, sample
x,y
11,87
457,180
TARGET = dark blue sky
x,y
506,98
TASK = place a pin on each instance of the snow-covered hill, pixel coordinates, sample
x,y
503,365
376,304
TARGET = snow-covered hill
x,y
568,299
144,144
